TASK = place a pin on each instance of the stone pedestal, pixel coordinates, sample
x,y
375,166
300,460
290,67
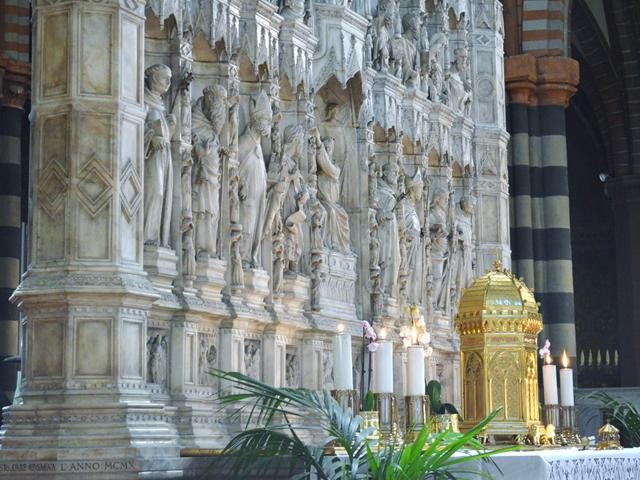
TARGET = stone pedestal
x,y
161,264
295,290
210,278
256,288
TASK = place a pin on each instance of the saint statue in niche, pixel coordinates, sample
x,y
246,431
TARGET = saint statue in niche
x,y
412,229
463,245
158,169
388,229
253,178
336,228
459,90
439,227
208,117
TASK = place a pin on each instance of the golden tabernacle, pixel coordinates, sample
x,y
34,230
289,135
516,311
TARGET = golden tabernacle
x,y
498,321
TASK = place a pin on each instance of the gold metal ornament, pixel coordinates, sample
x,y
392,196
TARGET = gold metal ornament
x,y
498,321
608,437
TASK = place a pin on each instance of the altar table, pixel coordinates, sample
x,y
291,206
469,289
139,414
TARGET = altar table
x,y
566,464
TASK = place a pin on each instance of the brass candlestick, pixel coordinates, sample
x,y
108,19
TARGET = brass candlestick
x,y
347,399
569,434
388,411
415,412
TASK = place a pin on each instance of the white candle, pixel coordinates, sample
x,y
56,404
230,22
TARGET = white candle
x,y
566,383
342,361
550,382
383,368
415,371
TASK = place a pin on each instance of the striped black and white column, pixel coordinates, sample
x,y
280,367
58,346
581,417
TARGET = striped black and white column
x,y
12,119
539,90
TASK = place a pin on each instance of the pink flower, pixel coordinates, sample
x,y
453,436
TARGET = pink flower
x,y
544,351
369,332
373,346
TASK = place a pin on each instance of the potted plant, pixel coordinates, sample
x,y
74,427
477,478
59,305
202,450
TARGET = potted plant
x,y
272,440
444,416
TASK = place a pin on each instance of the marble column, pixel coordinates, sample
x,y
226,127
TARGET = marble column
x,y
540,89
625,194
13,94
85,298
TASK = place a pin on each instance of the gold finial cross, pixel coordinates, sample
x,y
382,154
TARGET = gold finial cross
x,y
497,264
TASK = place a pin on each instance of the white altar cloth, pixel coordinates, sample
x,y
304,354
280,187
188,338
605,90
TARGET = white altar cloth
x,y
567,464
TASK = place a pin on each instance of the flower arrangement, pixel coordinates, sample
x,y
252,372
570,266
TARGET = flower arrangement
x,y
417,333
370,334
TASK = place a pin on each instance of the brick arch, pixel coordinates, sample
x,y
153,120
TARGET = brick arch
x,y
602,85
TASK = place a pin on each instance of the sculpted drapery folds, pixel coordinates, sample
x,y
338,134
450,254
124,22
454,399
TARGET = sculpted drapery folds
x,y
462,264
388,233
336,229
208,118
158,173
253,178
439,229
412,229
459,90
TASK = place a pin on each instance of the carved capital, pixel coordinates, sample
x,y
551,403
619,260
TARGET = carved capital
x,y
534,80
14,83
520,78
557,80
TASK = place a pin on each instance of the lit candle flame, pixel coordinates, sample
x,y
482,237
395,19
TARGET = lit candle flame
x,y
340,328
548,360
383,333
565,359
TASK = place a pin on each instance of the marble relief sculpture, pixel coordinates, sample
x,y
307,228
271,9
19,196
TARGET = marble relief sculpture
x,y
439,231
336,228
253,178
388,232
462,263
459,90
412,232
208,117
158,171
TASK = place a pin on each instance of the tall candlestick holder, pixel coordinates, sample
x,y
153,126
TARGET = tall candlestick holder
x,y
347,399
388,410
415,412
552,415
569,434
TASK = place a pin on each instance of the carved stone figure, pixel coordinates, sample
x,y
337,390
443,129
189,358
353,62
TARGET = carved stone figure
x,y
374,267
463,245
157,359
318,220
292,370
253,178
188,252
278,255
439,230
409,48
411,227
158,169
436,88
252,358
382,28
235,241
459,90
336,231
208,357
208,117
294,234
388,229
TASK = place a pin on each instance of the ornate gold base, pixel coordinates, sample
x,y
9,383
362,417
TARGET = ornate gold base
x,y
442,423
415,411
569,434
